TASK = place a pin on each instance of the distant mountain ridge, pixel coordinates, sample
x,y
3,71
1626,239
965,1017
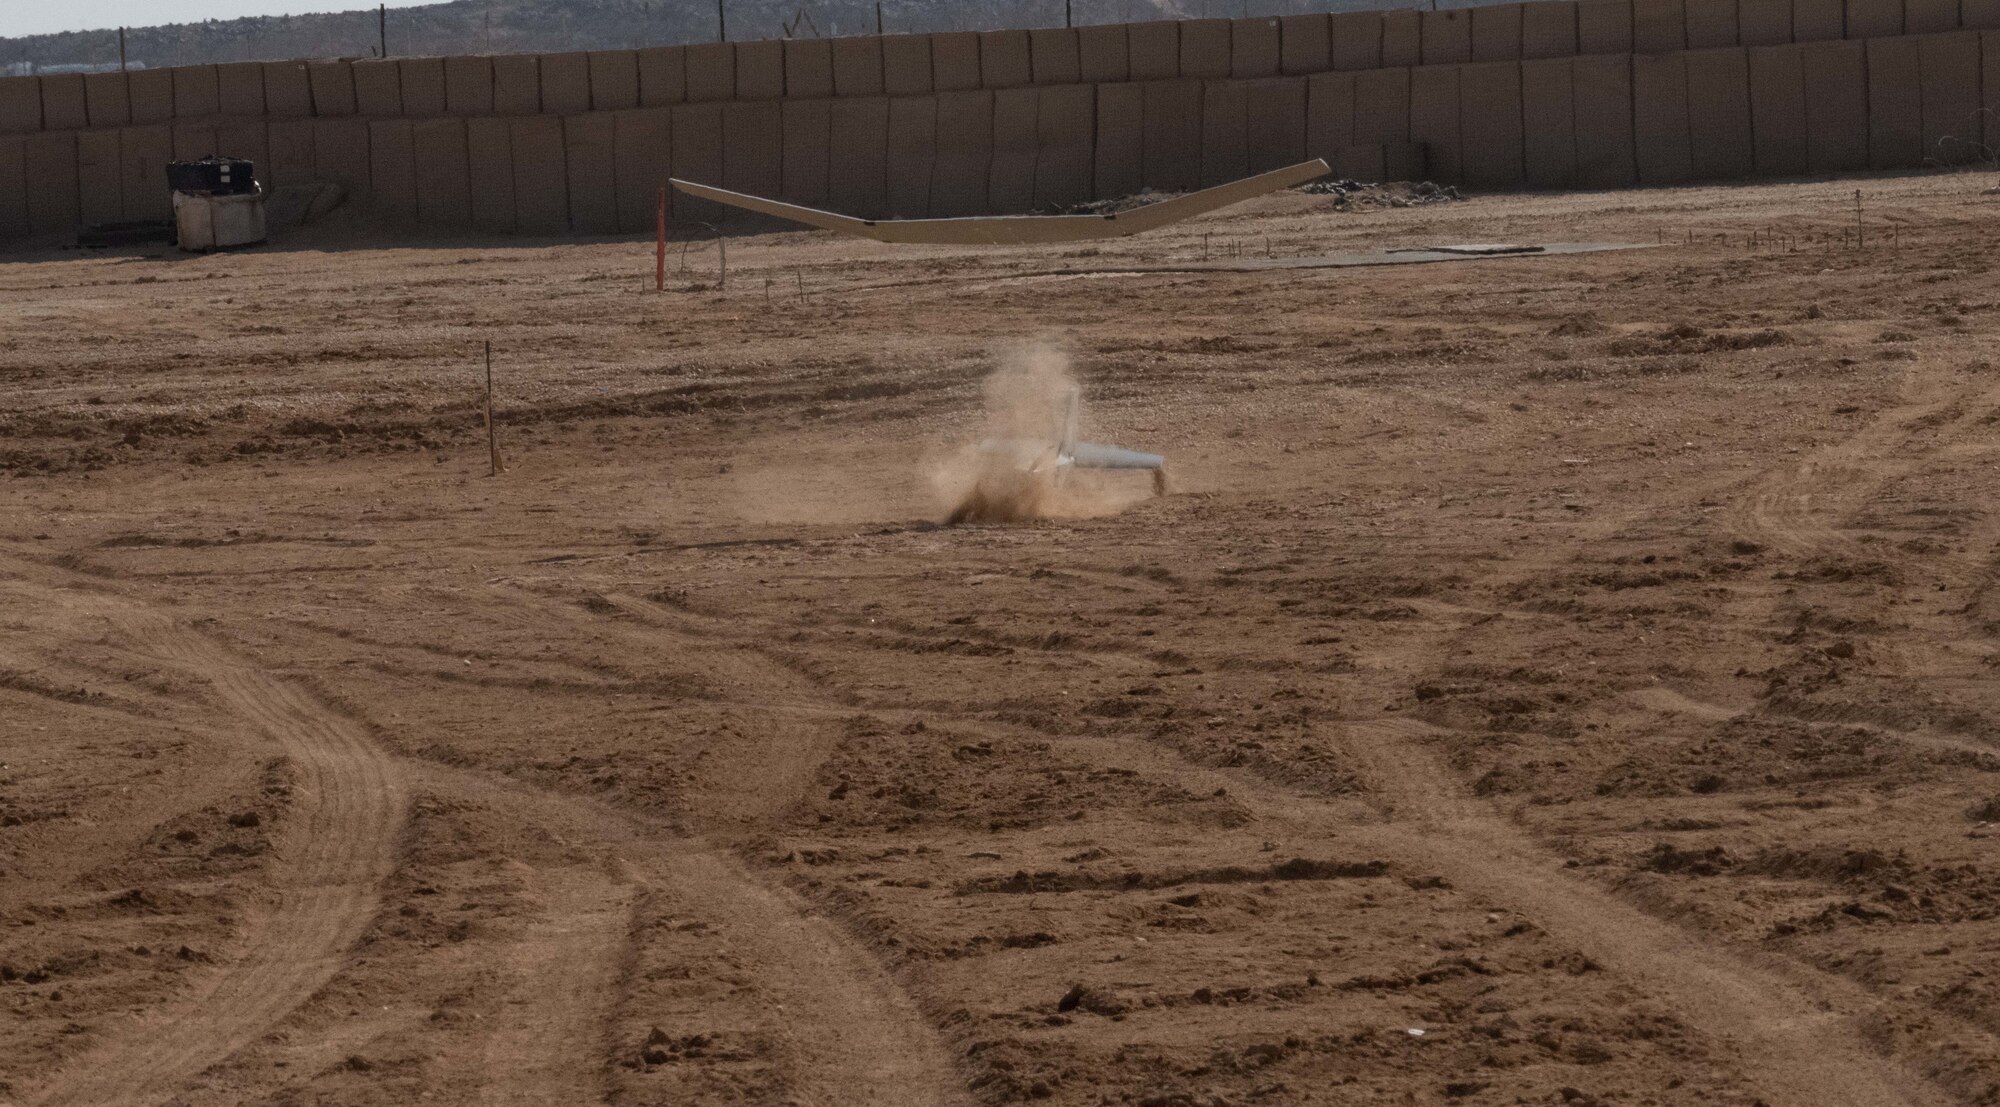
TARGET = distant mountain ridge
x,y
537,26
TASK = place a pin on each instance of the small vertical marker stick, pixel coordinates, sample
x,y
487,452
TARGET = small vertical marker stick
x,y
1860,235
492,442
660,244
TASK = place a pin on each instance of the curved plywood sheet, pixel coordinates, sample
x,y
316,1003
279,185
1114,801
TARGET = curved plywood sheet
x,y
1021,230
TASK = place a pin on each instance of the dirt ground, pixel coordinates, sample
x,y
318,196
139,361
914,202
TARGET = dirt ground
x,y
1560,680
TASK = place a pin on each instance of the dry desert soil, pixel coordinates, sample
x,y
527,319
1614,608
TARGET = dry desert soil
x,y
1561,680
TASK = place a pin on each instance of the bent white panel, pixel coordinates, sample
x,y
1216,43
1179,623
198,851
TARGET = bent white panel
x,y
1020,230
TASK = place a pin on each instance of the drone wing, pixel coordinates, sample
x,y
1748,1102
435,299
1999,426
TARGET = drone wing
x,y
1019,230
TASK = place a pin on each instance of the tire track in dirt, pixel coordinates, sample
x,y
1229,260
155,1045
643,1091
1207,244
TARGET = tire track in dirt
x,y
1793,1034
850,1034
335,848
547,1044
1800,513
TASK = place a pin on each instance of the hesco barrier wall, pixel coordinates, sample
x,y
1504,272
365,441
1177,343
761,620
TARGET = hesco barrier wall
x,y
1549,94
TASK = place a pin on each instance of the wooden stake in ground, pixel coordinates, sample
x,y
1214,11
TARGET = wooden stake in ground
x,y
492,442
660,247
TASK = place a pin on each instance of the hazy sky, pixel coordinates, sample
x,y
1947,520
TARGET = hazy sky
x,y
34,17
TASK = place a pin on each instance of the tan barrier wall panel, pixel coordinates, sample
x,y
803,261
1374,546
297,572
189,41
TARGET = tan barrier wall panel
x,y
514,85
289,158
1004,59
1604,26
1662,143
912,152
566,83
1053,56
857,67
1895,104
1764,22
332,84
1255,50
1447,36
1101,53
1874,18
541,174
1497,32
955,61
1929,17
100,177
52,181
1360,162
1434,119
760,71
1355,40
287,90
13,188
1548,118
471,85
392,165
1603,107
1154,50
808,128
243,138
1306,44
1402,37
1010,185
1548,29
753,147
1489,107
906,65
1658,26
1205,48
21,106
197,93
1276,124
378,89
1711,24
422,81
1949,65
1818,20
1330,115
1979,14
151,92
107,99
858,156
489,158
1382,107
1778,110
444,177
1066,133
193,141
1173,135
590,147
340,152
964,153
145,152
1989,84
711,72
643,141
1225,149
697,156
809,69
1718,91
1120,162
614,78
663,80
